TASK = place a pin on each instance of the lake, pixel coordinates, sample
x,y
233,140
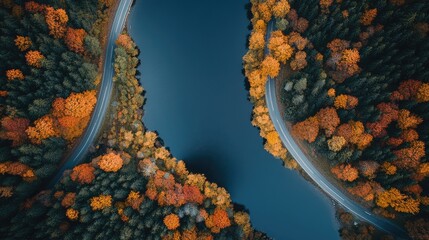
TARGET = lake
x,y
196,100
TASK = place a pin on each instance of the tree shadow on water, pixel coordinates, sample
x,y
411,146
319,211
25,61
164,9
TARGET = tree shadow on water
x,y
209,164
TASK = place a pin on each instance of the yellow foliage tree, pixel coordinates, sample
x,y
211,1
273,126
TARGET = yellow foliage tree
x,y
257,41
101,202
270,67
423,93
72,214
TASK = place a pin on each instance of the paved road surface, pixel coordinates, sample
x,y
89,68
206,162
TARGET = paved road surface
x,y
104,94
313,172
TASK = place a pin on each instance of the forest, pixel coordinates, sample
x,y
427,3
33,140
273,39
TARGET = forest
x,y
50,54
354,84
131,187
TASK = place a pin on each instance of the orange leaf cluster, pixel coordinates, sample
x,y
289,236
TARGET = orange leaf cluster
x,y
407,90
345,172
171,221
34,58
270,67
14,129
365,190
110,162
389,168
74,39
307,129
368,168
125,41
423,93
134,199
68,200
281,8
368,16
6,192
83,173
398,201
408,120
354,132
218,220
44,128
345,102
257,41
72,214
101,202
328,120
13,74
56,19
410,157
336,143
17,169
33,7
22,43
389,113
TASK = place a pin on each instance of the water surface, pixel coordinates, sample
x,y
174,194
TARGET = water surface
x,y
196,99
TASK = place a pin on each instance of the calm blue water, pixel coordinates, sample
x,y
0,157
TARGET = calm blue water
x,y
196,99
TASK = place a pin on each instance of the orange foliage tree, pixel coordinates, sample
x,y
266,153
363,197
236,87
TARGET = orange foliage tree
x,y
368,16
83,173
17,169
34,58
101,202
14,129
72,214
257,41
22,43
270,67
345,172
13,74
281,8
110,162
398,201
307,129
33,7
423,93
56,19
345,101
74,39
328,120
408,120
410,157
171,221
44,128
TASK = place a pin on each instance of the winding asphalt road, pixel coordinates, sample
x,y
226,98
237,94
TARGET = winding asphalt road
x,y
104,94
313,172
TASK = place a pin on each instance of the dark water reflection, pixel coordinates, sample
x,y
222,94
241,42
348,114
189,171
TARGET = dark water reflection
x,y
191,70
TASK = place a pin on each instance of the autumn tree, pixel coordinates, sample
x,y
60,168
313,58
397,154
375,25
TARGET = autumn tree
x,y
23,43
56,19
14,129
257,41
368,16
328,120
44,128
345,101
171,221
270,67
34,58
110,162
398,201
13,74
345,172
408,120
336,143
74,39
307,129
281,8
101,202
83,173
423,93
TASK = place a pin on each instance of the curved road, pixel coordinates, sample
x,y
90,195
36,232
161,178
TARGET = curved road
x,y
313,172
104,94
